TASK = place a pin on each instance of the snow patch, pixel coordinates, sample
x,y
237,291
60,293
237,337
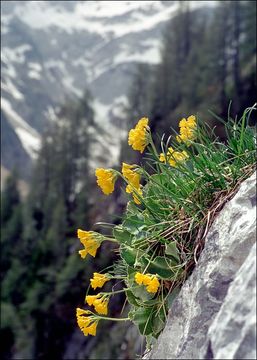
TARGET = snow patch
x,y
34,75
29,142
118,106
17,54
89,15
34,70
150,56
29,137
9,87
103,9
5,19
51,114
101,113
65,77
111,140
35,66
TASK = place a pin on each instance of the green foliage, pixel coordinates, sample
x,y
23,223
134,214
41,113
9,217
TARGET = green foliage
x,y
11,226
39,268
163,236
10,199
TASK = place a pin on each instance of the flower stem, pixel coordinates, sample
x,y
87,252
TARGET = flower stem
x,y
120,291
116,292
153,146
114,319
111,240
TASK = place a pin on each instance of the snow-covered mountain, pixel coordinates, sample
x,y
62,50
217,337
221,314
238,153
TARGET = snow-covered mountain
x,y
55,49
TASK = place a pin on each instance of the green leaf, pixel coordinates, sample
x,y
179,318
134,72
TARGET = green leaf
x,y
171,249
132,298
159,315
132,208
122,235
151,302
138,239
142,317
128,254
131,255
141,292
161,266
134,224
159,320
131,314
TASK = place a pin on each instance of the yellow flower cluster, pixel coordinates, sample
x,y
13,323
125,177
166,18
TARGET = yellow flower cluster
x,y
173,157
150,281
98,280
100,303
133,178
187,130
106,179
138,137
91,242
87,324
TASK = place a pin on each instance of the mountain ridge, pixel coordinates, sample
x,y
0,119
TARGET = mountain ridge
x,y
54,50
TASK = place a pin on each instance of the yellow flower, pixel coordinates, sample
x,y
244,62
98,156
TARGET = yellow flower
x,y
87,324
105,180
133,178
139,278
90,299
98,280
162,157
80,312
153,285
129,173
91,241
101,306
135,192
173,157
150,281
177,157
100,303
138,137
191,121
187,130
183,123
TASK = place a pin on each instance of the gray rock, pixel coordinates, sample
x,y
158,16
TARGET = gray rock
x,y
214,313
232,335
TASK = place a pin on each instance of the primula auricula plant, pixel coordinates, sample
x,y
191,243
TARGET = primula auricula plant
x,y
167,219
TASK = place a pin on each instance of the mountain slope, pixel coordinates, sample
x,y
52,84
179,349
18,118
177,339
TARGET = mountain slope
x,y
55,49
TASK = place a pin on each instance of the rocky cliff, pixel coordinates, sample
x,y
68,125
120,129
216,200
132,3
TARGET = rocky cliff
x,y
214,315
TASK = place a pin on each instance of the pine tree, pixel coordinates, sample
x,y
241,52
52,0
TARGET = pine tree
x,y
55,208
11,223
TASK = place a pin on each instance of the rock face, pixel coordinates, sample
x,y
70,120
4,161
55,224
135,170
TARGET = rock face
x,y
214,315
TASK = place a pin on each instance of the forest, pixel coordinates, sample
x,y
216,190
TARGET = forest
x,y
208,65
